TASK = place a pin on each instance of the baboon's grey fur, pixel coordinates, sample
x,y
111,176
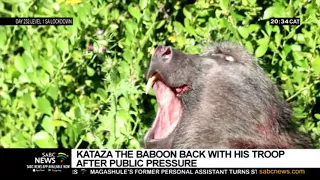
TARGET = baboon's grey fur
x,y
231,102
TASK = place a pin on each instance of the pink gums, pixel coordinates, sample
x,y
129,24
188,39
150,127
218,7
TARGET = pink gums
x,y
169,110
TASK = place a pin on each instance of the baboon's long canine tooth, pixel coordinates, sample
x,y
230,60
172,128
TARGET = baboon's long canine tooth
x,y
150,82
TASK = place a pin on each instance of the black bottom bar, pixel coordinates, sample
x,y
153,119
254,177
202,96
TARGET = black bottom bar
x,y
194,171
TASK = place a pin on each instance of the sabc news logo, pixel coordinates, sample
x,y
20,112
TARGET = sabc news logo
x,y
51,158
62,156
75,171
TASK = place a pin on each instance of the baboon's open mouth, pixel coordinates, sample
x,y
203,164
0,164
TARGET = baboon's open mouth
x,y
169,107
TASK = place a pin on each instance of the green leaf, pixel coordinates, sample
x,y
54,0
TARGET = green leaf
x,y
90,71
287,49
300,115
317,130
56,6
19,64
131,29
261,50
189,27
16,1
63,45
82,14
300,38
274,12
59,123
121,119
26,44
134,11
3,39
124,69
273,47
48,67
243,32
253,28
268,13
244,2
263,41
295,47
102,93
43,77
143,4
278,38
224,4
77,112
268,28
49,47
24,78
160,24
249,46
43,140
115,13
178,27
90,138
53,92
297,76
187,13
134,144
44,105
124,104
68,78
309,125
47,125
128,55
316,65
27,99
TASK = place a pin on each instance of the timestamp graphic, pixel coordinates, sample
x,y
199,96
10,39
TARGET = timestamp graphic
x,y
284,21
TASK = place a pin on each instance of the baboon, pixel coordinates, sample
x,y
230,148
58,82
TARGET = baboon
x,y
219,99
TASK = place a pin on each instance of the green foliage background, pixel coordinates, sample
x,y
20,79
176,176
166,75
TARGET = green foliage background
x,y
54,92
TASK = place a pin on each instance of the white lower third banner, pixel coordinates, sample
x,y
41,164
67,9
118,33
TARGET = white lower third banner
x,y
195,158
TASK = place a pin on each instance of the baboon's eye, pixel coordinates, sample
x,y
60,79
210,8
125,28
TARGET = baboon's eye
x,y
229,58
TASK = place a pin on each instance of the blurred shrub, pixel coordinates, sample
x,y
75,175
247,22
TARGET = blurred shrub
x,y
82,86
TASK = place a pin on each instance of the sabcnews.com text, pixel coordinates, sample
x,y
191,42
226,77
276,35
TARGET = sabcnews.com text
x,y
281,171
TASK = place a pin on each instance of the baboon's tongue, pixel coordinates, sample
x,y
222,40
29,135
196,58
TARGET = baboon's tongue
x,y
169,110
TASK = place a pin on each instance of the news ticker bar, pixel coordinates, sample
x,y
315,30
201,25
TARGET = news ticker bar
x,y
36,21
193,171
168,171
